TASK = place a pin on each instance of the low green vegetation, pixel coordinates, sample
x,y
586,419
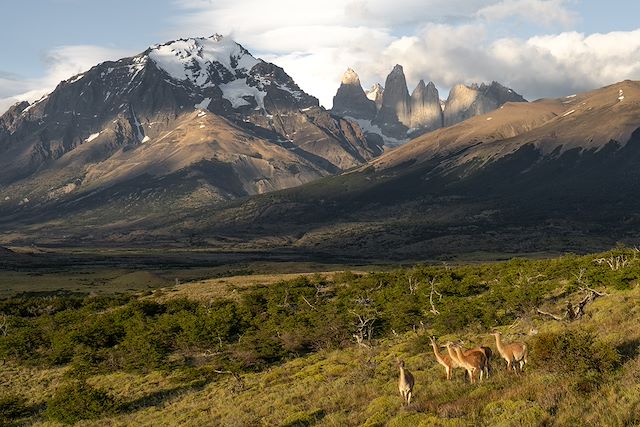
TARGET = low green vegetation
x,y
320,350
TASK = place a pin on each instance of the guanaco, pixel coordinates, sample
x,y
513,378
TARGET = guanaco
x,y
469,361
446,361
474,362
515,353
488,354
405,383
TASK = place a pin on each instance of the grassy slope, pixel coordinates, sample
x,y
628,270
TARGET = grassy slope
x,y
357,386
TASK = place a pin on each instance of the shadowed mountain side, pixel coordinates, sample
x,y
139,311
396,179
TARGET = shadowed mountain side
x,y
162,112
553,175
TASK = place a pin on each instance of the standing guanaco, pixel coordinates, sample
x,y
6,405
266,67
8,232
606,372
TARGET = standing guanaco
x,y
515,353
405,382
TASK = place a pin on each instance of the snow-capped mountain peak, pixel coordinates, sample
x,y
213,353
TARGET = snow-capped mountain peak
x,y
198,59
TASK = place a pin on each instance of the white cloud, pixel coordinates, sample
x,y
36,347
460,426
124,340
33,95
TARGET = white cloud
x,y
447,41
547,12
61,63
541,66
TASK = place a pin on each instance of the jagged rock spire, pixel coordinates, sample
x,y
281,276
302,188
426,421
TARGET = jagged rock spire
x,y
426,112
396,102
350,100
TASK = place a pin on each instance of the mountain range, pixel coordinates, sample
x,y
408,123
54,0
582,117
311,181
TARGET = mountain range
x,y
197,142
396,116
198,119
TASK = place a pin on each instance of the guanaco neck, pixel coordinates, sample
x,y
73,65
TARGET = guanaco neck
x,y
403,380
499,345
460,355
452,354
436,352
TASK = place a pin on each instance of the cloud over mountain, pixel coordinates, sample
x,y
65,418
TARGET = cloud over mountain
x,y
530,45
446,41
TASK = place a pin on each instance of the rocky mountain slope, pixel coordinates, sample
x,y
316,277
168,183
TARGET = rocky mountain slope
x,y
198,119
555,174
465,102
550,175
399,116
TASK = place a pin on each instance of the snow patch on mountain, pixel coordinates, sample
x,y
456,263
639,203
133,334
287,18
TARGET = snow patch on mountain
x,y
190,59
203,105
92,137
368,127
236,91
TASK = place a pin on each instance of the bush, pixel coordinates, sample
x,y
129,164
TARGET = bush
x,y
577,354
79,401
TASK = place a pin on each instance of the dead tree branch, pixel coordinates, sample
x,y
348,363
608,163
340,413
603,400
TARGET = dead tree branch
x,y
433,292
309,304
615,263
575,312
553,316
413,285
364,329
4,326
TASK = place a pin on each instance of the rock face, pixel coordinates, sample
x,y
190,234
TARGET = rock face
x,y
350,100
426,113
395,111
375,94
465,102
197,116
401,117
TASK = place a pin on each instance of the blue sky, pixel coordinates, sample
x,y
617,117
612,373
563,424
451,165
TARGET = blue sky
x,y
538,47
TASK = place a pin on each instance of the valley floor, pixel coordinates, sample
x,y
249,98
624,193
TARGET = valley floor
x,y
582,372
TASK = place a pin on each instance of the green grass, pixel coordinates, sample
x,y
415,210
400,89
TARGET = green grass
x,y
585,372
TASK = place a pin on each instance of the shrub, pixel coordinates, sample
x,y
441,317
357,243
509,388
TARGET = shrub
x,y
77,401
577,354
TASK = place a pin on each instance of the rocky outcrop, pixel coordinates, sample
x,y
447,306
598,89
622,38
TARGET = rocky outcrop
x,y
395,111
350,100
375,94
426,113
465,102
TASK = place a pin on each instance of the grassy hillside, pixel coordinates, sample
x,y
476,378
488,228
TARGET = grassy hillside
x,y
284,353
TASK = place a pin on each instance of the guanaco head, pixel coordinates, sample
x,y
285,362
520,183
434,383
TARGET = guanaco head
x,y
433,339
400,363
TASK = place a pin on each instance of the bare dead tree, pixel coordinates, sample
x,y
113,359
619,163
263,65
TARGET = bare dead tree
x,y
413,285
433,292
285,302
364,328
4,325
580,276
574,312
615,263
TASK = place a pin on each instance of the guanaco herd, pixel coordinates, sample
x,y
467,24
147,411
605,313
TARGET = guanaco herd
x,y
476,362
